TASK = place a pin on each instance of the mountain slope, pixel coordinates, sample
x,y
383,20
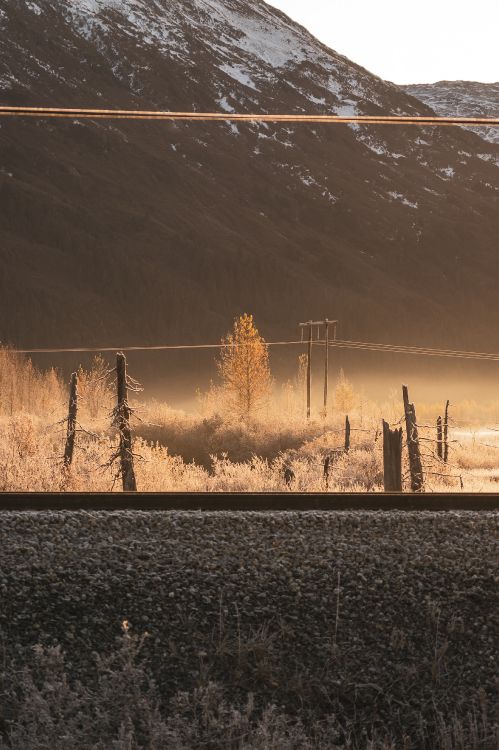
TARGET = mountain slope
x,y
146,232
462,99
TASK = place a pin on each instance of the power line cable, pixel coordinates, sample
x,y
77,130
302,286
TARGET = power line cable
x,y
161,347
137,114
337,343
401,349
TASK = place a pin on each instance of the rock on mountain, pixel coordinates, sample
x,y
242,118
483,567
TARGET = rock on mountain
x,y
146,232
461,99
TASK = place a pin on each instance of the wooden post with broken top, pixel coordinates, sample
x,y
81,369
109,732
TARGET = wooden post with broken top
x,y
415,464
392,458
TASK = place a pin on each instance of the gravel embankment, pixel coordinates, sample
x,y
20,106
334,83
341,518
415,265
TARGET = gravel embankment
x,y
373,616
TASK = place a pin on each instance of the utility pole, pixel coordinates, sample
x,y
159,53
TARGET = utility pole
x,y
310,324
326,368
327,323
309,369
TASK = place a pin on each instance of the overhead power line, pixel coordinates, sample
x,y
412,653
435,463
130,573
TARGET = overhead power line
x,y
400,349
137,114
337,343
161,347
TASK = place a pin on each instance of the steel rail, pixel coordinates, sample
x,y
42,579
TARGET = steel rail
x,y
270,502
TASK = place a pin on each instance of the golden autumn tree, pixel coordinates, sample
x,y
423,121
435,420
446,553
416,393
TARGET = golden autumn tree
x,y
243,366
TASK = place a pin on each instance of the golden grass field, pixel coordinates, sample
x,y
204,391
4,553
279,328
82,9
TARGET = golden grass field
x,y
212,450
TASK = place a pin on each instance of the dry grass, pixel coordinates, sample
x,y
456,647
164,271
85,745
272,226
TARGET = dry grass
x,y
212,451
121,708
230,458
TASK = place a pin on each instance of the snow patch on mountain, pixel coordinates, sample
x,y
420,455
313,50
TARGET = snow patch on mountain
x,y
224,104
34,7
448,172
490,158
461,99
246,37
347,109
377,146
256,33
239,74
399,197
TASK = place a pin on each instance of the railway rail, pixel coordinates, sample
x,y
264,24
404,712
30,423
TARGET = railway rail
x,y
247,502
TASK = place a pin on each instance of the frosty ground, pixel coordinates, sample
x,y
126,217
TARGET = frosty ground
x,y
176,452
358,625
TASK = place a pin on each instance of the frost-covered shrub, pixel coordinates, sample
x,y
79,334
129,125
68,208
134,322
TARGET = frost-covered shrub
x,y
119,707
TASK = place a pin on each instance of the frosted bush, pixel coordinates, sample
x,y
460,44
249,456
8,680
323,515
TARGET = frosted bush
x,y
31,454
119,707
214,451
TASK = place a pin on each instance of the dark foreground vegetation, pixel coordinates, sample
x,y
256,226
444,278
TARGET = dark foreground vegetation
x,y
293,630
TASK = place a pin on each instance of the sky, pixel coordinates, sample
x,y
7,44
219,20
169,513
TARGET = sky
x,y
407,41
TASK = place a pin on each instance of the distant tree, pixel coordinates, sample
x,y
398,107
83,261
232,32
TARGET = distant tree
x,y
344,394
288,398
243,365
301,381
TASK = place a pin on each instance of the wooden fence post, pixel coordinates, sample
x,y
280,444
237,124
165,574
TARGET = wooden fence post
x,y
347,434
392,458
123,418
446,433
415,464
327,466
289,475
439,437
71,426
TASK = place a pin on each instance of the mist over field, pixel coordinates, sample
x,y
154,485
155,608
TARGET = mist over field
x,y
174,376
244,430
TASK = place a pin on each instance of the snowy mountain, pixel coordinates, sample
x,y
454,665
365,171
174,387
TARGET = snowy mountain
x,y
145,232
461,99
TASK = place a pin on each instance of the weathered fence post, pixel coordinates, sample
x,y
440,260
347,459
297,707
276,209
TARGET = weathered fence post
x,y
392,458
347,434
415,464
327,466
289,475
439,437
446,433
71,426
123,419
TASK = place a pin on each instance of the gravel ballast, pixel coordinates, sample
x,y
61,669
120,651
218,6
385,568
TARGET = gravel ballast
x,y
381,618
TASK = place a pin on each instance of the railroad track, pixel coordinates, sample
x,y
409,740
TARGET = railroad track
x,y
268,502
